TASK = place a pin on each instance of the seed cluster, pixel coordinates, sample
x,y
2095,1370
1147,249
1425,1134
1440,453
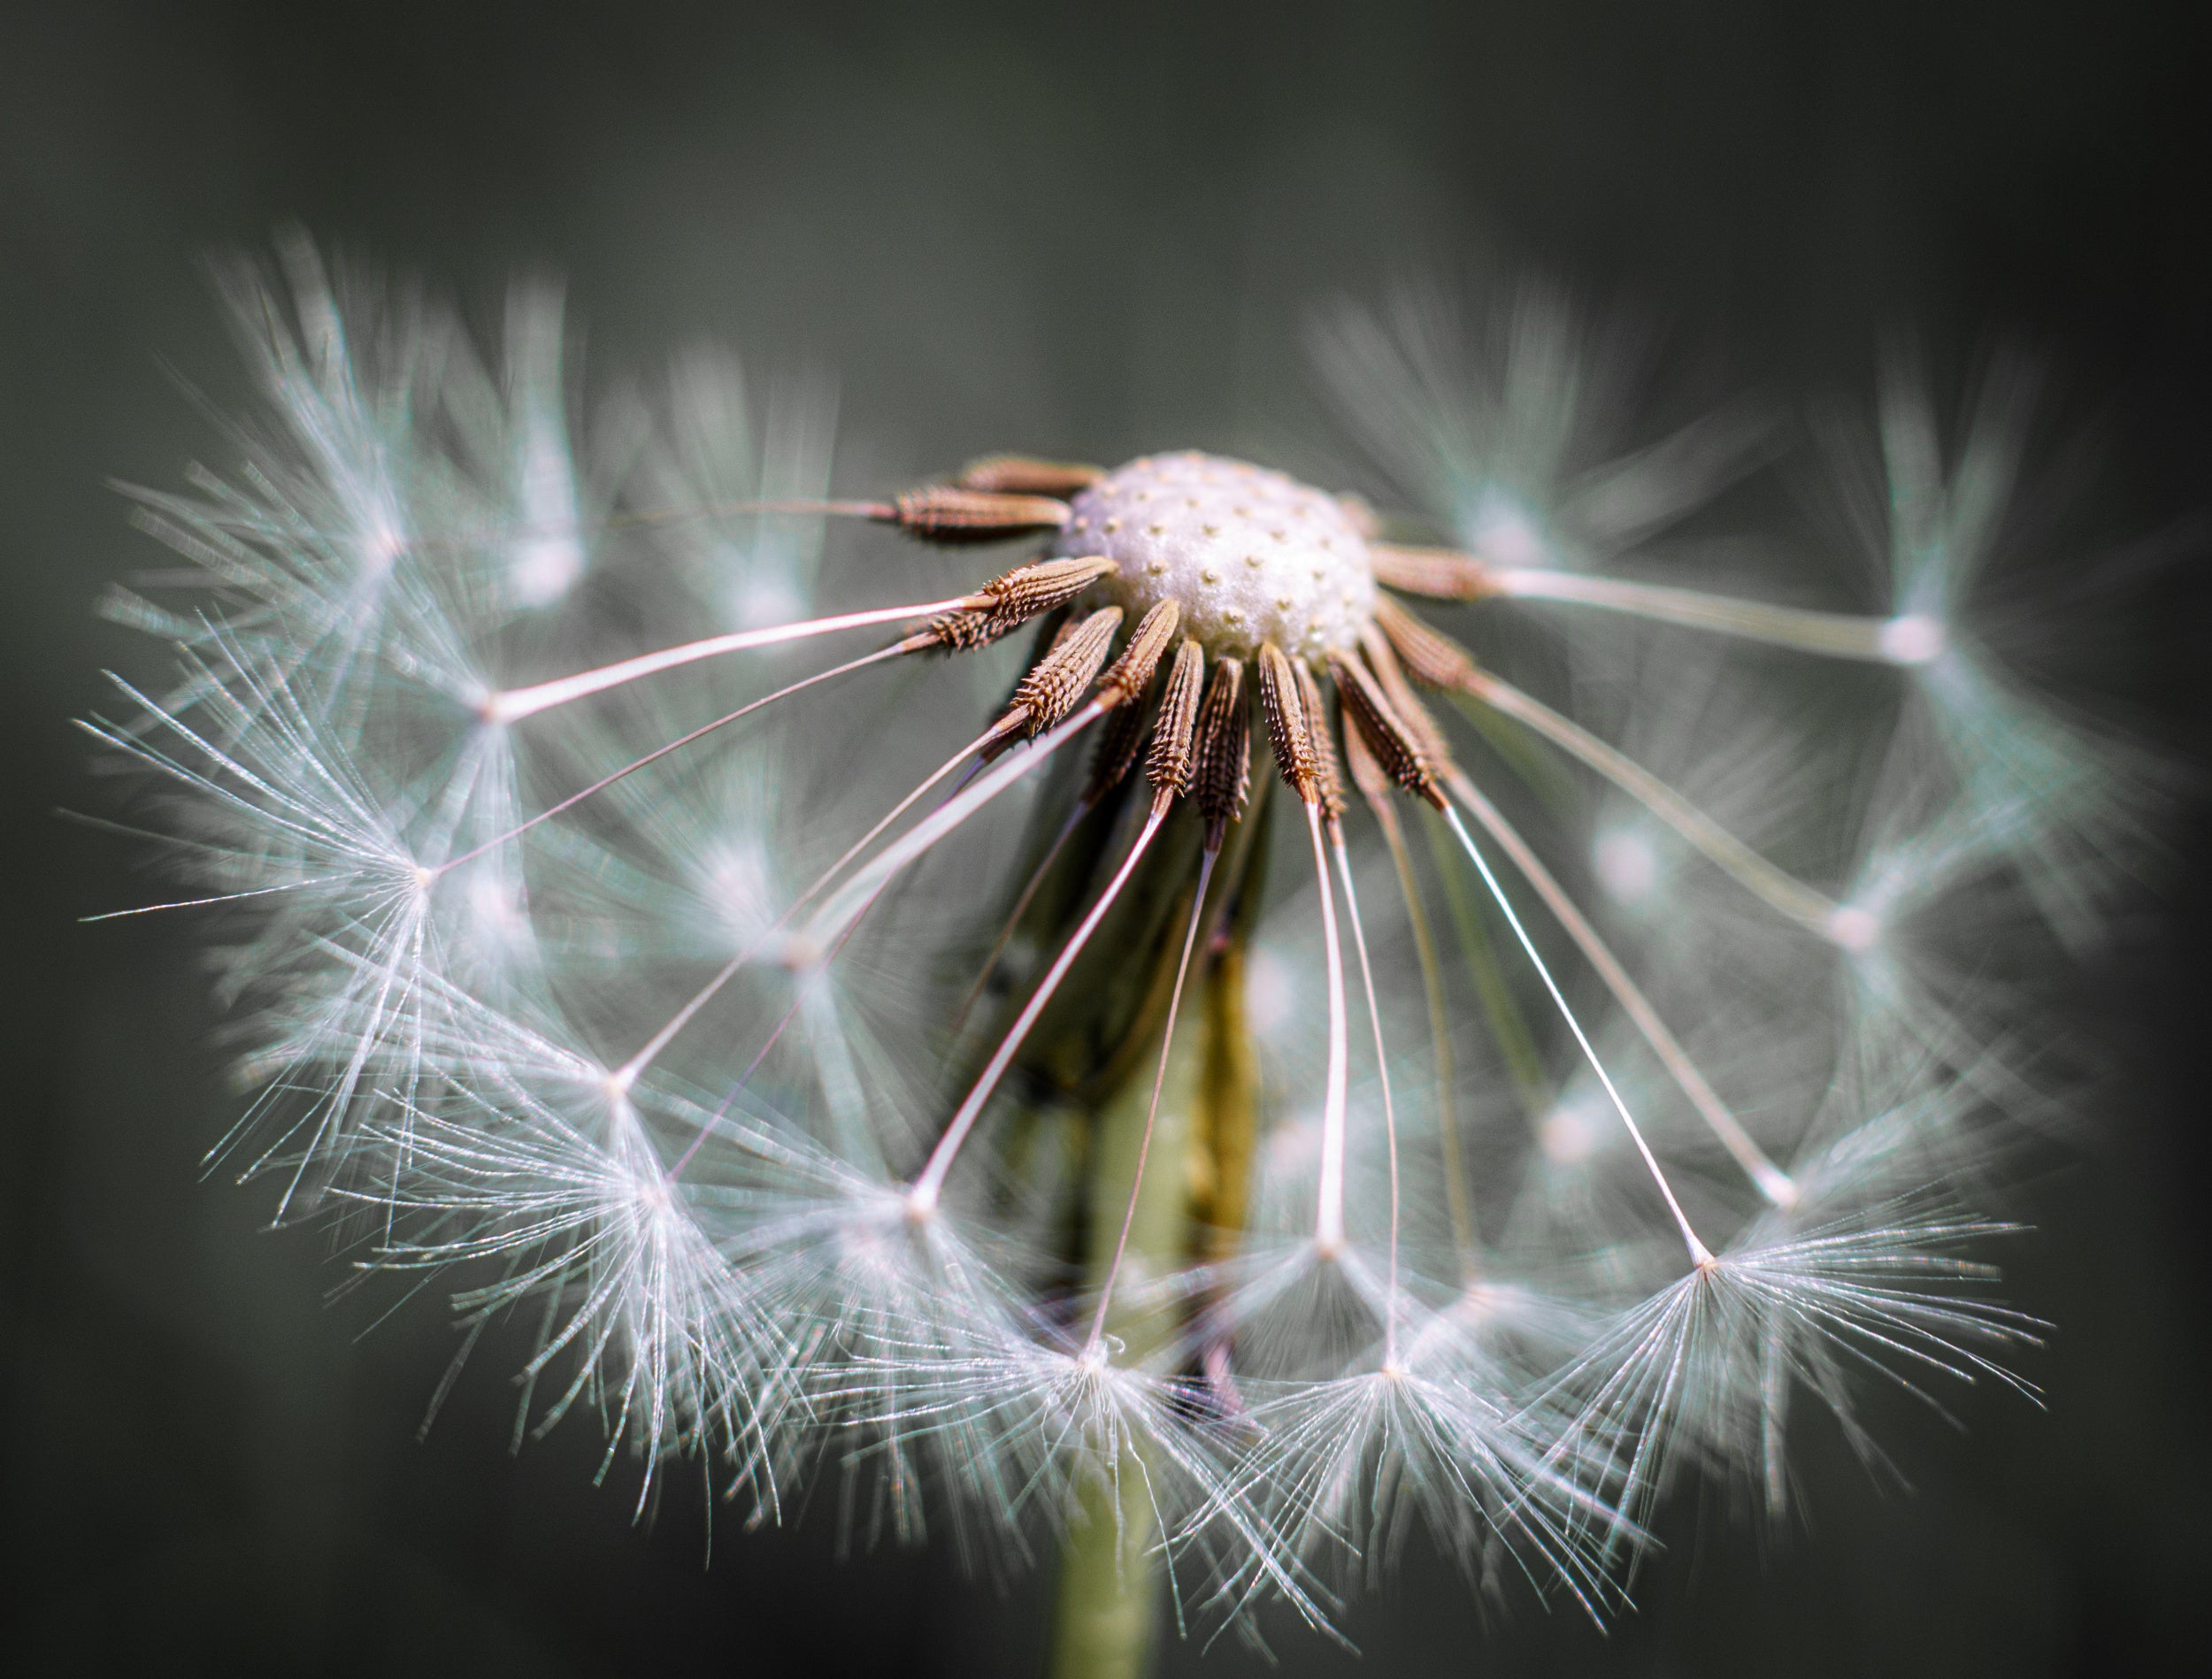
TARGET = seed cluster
x,y
1251,555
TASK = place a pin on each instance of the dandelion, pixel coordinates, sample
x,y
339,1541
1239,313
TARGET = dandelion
x,y
1066,1132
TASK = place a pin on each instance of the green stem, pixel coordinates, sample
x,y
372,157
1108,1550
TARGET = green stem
x,y
1105,1624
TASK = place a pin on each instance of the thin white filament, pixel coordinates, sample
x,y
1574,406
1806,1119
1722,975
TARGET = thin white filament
x,y
800,506
924,1195
1328,1218
1699,1255
626,1074
1777,888
1013,919
1771,1180
404,953
677,744
512,705
855,894
1911,639
1152,1112
1382,1073
1456,1197
889,816
199,903
806,992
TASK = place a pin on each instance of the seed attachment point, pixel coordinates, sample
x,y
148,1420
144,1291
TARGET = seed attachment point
x,y
1854,928
1912,637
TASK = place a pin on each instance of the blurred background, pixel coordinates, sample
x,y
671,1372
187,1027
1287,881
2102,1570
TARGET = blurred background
x,y
1086,231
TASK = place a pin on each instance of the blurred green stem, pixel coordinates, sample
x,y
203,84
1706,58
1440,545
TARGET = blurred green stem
x,y
1104,1623
1110,1588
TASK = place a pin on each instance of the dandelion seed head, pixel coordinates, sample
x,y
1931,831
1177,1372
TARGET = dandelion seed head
x,y
1710,1367
1506,419
1937,507
382,547
1489,1178
1248,555
1347,1464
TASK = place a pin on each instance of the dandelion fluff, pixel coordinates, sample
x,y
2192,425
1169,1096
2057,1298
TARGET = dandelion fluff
x,y
1056,1129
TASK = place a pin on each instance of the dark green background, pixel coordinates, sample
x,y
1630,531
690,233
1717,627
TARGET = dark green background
x,y
1094,231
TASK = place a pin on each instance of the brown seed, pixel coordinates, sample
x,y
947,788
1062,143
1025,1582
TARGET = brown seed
x,y
960,631
1061,679
1026,475
1283,706
1328,776
1222,772
1419,721
1430,656
946,513
1168,765
1028,590
1132,673
1395,748
1443,573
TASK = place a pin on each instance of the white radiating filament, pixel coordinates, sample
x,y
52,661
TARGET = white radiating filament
x,y
512,705
1328,1219
1382,1073
1911,639
923,1197
854,896
1699,1255
1771,1180
1096,1340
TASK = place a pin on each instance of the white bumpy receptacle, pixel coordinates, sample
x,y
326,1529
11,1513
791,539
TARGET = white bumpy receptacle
x,y
1249,555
